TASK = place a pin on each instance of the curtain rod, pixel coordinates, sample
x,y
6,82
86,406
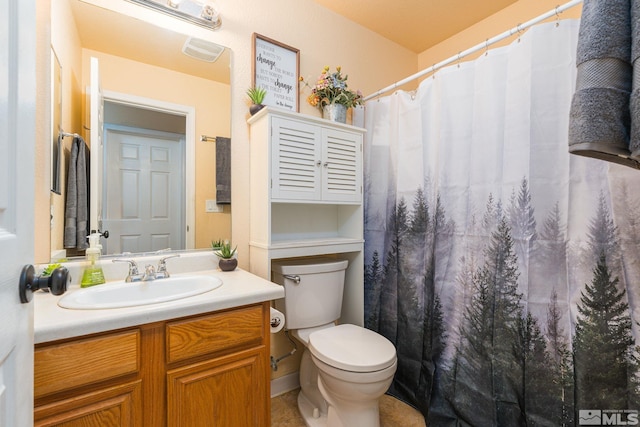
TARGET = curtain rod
x,y
517,29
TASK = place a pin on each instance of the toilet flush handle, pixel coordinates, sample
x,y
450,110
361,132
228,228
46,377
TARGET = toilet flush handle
x,y
295,279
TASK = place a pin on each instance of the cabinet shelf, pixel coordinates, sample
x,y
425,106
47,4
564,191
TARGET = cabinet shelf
x,y
311,247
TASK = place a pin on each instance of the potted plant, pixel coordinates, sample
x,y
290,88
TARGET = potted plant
x,y
256,94
225,254
216,244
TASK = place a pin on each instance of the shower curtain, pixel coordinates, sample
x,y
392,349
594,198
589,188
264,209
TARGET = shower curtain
x,y
505,270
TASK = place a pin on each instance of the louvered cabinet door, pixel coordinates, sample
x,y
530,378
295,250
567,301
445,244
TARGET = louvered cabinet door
x,y
296,161
341,166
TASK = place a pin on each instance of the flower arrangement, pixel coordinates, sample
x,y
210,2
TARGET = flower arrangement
x,y
331,88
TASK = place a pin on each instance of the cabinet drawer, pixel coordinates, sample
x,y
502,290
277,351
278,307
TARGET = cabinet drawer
x,y
214,333
81,362
117,406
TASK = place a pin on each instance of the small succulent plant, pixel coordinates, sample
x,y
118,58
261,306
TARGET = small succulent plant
x,y
256,94
225,251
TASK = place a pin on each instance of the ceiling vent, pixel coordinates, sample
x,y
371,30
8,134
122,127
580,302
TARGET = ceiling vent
x,y
202,49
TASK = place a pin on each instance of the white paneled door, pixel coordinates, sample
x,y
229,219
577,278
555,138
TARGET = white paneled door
x,y
143,194
17,143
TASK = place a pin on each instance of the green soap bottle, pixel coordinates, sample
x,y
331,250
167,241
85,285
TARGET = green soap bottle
x,y
93,274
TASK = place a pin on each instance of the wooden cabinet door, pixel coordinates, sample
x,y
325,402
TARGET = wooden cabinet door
x,y
230,391
118,406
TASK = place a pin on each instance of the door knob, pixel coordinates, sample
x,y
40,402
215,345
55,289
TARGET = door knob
x,y
57,282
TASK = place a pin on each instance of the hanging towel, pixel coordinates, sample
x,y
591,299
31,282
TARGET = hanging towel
x,y
634,103
76,207
223,170
599,121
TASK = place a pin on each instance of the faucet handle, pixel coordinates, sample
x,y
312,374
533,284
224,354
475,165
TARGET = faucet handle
x,y
133,267
162,265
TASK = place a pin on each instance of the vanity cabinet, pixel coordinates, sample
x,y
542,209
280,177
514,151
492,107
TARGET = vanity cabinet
x,y
204,370
306,190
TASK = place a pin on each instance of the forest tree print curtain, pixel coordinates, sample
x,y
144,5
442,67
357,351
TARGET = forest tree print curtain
x,y
505,271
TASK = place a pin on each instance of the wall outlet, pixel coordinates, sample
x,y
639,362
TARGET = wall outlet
x,y
211,206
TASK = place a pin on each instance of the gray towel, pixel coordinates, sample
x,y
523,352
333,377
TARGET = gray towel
x,y
634,109
605,30
634,103
223,170
599,124
635,30
76,206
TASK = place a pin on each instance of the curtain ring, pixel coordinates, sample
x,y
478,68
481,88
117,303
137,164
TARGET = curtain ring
x,y
557,16
519,31
458,60
486,47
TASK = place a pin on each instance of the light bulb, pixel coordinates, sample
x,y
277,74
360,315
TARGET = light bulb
x,y
210,11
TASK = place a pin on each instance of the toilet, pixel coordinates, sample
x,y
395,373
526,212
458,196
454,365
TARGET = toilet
x,y
345,368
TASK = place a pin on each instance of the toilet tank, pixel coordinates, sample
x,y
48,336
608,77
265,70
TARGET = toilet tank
x,y
313,289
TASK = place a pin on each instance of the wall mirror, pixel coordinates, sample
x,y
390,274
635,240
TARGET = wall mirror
x,y
158,85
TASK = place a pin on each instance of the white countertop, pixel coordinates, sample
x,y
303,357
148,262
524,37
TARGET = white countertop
x,y
239,288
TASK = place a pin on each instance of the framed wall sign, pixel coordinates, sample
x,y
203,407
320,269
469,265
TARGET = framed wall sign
x,y
276,68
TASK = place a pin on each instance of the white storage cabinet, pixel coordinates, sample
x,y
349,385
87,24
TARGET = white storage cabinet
x,y
306,195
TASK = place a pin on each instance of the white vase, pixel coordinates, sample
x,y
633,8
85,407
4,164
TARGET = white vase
x,y
335,112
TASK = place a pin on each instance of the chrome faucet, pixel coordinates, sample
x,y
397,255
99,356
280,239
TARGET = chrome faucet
x,y
134,275
150,272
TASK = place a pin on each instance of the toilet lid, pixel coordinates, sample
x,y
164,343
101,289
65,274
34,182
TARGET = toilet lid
x,y
352,348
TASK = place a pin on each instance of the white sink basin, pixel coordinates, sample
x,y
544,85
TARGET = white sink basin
x,y
123,294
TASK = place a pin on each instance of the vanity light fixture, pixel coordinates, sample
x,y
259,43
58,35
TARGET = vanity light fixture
x,y
201,12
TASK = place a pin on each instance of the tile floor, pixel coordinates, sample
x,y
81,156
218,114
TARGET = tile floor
x,y
393,413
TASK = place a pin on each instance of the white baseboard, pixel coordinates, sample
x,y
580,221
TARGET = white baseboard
x,y
285,383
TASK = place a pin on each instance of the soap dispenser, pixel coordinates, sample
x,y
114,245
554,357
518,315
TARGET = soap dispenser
x,y
93,274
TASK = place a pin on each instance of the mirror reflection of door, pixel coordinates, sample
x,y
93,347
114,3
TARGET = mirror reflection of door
x,y
143,203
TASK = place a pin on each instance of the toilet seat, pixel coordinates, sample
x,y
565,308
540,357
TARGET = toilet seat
x,y
303,334
352,348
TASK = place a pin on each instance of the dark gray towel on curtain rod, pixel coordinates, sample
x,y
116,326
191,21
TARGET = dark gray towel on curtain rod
x,y
600,122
